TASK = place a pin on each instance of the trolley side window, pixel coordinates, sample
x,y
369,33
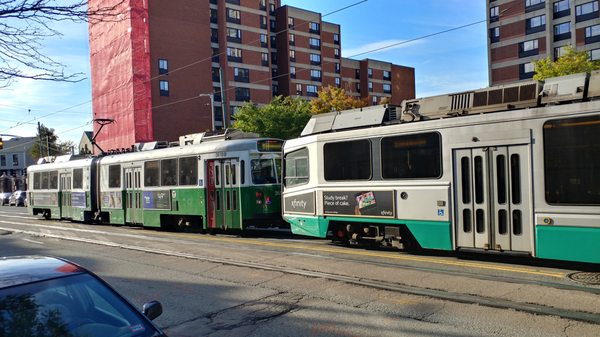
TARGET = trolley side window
x,y
37,180
168,172
348,160
411,156
264,171
296,167
152,173
53,180
114,176
572,161
188,171
78,178
45,180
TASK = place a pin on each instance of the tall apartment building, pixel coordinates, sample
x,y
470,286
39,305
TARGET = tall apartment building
x,y
154,72
522,31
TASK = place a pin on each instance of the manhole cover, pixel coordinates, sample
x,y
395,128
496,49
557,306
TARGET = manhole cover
x,y
586,278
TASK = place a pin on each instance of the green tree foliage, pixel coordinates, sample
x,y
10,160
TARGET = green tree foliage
x,y
283,118
47,143
572,62
334,99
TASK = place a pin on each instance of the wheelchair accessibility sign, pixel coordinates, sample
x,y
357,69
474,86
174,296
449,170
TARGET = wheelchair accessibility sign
x,y
441,212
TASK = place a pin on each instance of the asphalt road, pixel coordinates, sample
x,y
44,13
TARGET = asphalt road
x,y
264,286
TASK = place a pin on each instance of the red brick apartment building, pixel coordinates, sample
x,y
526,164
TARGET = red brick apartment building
x,y
154,71
522,31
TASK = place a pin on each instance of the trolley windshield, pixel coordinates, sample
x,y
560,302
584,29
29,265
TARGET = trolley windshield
x,y
265,171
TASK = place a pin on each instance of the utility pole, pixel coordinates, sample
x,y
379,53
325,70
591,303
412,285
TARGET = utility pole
x,y
223,98
40,139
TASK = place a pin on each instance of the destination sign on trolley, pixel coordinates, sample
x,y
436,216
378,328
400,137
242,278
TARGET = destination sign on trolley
x,y
270,145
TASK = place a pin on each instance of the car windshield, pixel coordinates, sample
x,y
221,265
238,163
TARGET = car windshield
x,y
265,171
73,306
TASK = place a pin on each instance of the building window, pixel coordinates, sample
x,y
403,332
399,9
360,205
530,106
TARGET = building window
x,y
273,25
586,11
163,66
370,86
234,35
273,58
293,72
241,75
273,41
311,90
215,75
592,34
215,55
387,75
164,88
528,48
272,9
560,52
594,54
217,94
315,75
264,41
494,13
2,160
337,68
264,59
494,34
214,35
214,18
562,31
315,59
338,82
314,28
314,43
263,22
562,8
291,22
292,39
535,24
242,94
262,4
15,159
357,74
299,89
370,72
358,88
233,15
336,38
293,55
387,88
336,53
234,54
526,70
374,100
533,5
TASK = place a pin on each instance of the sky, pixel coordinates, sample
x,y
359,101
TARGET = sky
x,y
444,63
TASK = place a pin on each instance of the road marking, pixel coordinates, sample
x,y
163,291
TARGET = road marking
x,y
339,250
33,241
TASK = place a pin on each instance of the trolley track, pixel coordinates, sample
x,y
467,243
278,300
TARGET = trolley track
x,y
359,281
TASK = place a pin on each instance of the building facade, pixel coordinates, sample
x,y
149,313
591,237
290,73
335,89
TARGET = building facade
x,y
522,31
15,157
154,73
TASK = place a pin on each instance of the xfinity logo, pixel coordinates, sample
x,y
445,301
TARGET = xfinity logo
x,y
299,204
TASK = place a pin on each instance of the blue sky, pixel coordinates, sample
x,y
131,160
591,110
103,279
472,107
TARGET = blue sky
x,y
444,63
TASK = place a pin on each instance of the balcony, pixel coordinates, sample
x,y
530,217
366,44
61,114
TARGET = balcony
x,y
234,20
235,2
535,7
563,36
587,16
316,79
234,39
536,29
243,79
232,58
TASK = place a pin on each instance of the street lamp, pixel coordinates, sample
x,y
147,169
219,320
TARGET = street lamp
x,y
212,108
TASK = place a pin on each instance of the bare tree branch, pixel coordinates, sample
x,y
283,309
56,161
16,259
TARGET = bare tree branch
x,y
25,24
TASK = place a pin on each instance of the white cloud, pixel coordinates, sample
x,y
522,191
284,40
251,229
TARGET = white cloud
x,y
379,46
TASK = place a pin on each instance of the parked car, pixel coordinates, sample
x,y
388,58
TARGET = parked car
x,y
18,199
59,298
5,198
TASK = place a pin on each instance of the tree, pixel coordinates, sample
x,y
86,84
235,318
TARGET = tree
x,y
283,118
47,143
572,62
332,98
25,24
